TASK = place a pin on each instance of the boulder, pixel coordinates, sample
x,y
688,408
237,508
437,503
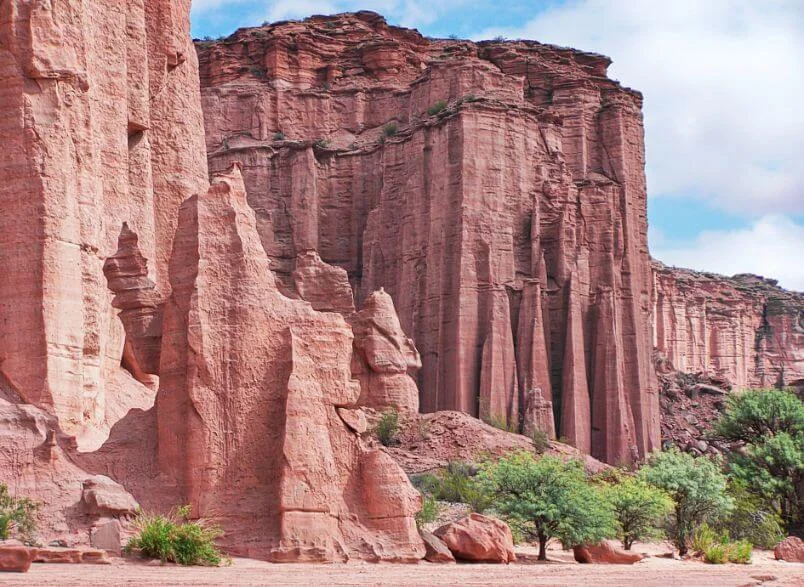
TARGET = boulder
x,y
15,558
436,551
791,549
71,556
106,536
105,497
606,552
479,538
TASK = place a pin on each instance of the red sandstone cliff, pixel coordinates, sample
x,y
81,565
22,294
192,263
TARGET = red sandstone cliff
x,y
495,190
743,329
100,123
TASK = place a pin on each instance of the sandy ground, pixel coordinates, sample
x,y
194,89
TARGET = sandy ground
x,y
562,571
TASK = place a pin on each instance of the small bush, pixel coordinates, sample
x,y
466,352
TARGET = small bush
x,y
437,108
751,519
257,72
173,538
390,129
501,423
740,552
455,484
17,514
279,136
716,554
429,512
541,442
322,143
388,427
703,538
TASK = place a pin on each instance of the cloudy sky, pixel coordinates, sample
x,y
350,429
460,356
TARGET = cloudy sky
x,y
723,82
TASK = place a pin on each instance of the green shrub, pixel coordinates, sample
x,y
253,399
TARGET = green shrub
x,y
173,538
279,136
455,484
17,514
716,554
429,512
541,441
703,537
459,485
323,143
389,129
751,519
696,486
548,498
426,483
639,510
388,427
437,108
740,552
501,423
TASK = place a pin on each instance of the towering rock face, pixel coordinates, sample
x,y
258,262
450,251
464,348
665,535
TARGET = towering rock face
x,y
743,329
495,190
100,123
250,383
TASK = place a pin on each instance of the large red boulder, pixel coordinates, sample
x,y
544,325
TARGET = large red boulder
x,y
791,549
605,553
479,538
15,558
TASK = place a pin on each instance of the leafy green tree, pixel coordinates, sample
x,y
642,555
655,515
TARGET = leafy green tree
x,y
17,513
639,510
770,424
549,498
751,519
760,412
697,487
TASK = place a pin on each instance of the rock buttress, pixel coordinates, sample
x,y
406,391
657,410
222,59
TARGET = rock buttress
x,y
246,409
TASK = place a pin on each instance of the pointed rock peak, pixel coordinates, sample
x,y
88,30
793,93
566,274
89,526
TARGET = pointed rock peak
x,y
232,178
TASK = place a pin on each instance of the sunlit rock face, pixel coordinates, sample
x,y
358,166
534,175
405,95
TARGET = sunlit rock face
x,y
496,192
100,124
743,329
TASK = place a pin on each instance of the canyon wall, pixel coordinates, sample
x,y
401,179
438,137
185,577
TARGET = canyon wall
x,y
744,330
100,123
496,191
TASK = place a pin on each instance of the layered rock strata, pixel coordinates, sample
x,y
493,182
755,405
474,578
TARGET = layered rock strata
x,y
100,123
495,190
743,329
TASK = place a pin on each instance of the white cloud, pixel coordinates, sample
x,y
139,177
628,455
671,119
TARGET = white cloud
x,y
722,81
772,246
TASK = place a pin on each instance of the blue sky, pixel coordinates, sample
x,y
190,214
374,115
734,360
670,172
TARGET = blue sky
x,y
722,81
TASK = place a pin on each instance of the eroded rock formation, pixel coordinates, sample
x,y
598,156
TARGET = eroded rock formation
x,y
743,329
249,385
384,357
495,190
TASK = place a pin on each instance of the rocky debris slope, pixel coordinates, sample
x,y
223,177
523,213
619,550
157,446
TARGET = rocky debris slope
x,y
495,190
744,330
100,123
429,442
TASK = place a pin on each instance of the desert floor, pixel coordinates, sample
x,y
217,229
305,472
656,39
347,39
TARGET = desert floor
x,y
561,571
